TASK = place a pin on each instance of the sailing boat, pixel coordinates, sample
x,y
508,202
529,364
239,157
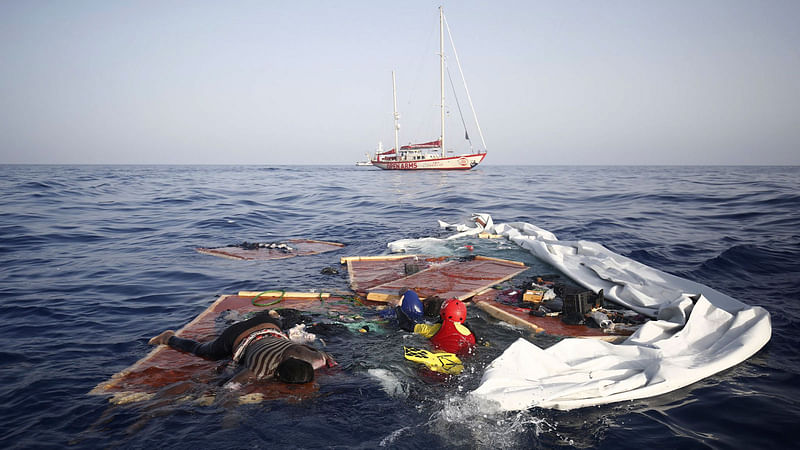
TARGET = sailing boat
x,y
429,155
368,161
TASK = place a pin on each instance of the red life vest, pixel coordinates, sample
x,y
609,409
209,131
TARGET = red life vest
x,y
451,340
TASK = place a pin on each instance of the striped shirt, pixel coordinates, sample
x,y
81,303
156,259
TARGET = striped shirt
x,y
264,355
238,353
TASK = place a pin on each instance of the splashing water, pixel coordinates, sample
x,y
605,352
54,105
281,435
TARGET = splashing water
x,y
474,422
390,383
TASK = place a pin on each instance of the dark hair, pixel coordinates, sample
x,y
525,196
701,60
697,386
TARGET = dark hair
x,y
295,371
291,317
432,306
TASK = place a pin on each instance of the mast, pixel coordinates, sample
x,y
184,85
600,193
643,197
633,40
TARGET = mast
x,y
441,73
396,121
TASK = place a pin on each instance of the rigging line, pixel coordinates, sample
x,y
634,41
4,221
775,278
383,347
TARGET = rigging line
x,y
458,105
469,97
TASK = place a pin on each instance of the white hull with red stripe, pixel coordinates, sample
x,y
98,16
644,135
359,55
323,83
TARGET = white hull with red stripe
x,y
462,162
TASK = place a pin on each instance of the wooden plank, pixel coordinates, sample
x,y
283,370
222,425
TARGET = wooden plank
x,y
505,316
346,259
505,261
383,298
273,294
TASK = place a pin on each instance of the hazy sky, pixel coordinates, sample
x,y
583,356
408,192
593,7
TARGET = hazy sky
x,y
295,82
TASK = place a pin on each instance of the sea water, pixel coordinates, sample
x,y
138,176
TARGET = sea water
x,y
95,260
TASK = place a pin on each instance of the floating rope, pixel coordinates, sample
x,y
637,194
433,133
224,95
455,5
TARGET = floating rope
x,y
356,300
352,299
348,297
278,300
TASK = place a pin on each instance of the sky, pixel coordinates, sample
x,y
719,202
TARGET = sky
x,y
635,82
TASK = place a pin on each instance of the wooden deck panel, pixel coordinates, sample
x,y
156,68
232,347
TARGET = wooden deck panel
x,y
300,247
553,326
451,279
171,373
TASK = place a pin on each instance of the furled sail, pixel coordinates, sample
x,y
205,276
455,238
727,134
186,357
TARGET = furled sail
x,y
433,144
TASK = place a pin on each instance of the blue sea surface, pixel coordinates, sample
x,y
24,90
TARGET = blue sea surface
x,y
95,260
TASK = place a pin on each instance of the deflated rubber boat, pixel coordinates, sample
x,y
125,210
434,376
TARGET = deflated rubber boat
x,y
696,331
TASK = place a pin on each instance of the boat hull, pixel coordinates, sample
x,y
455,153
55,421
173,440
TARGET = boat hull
x,y
461,162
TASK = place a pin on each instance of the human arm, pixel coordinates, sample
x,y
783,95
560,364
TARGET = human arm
x,y
329,361
243,376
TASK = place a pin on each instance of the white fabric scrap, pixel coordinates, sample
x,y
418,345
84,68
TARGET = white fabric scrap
x,y
299,335
400,246
697,332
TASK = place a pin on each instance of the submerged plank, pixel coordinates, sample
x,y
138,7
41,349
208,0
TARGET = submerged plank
x,y
299,247
368,272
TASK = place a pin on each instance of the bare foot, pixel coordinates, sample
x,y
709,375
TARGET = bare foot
x,y
274,314
162,338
